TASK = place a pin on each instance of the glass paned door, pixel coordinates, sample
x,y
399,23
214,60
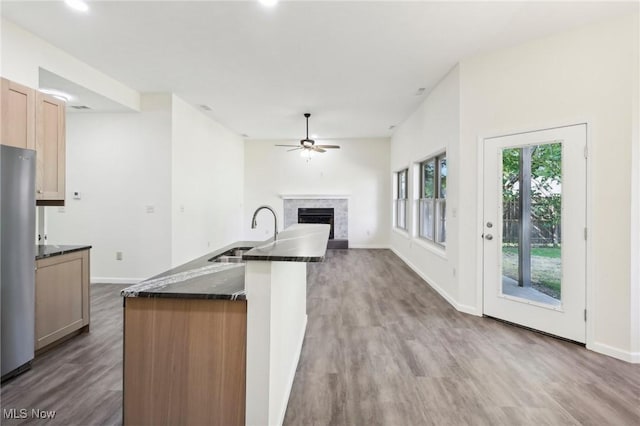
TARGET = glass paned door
x,y
534,221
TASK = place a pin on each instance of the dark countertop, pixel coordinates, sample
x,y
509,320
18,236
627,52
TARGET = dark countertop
x,y
213,281
49,250
297,243
201,279
197,279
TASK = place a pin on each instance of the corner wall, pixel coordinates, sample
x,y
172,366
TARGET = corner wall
x,y
583,75
120,163
431,129
588,74
207,183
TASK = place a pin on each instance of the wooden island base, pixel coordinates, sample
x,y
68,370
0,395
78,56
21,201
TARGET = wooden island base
x,y
184,361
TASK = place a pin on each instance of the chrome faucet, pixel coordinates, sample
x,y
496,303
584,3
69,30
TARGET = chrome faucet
x,y
275,221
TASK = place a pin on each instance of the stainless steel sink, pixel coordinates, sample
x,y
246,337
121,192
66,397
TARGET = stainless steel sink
x,y
240,251
227,259
233,255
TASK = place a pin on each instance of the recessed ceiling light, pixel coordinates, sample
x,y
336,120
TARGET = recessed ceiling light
x,y
420,91
268,3
57,94
244,135
78,5
205,107
392,127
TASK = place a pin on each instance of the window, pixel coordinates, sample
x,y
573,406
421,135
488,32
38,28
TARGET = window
x,y
433,194
401,199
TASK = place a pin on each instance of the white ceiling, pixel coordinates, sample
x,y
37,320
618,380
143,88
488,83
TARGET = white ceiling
x,y
356,66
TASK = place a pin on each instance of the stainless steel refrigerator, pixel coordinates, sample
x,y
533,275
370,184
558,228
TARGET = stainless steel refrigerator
x,y
17,258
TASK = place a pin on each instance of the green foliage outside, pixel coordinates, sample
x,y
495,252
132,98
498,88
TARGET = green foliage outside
x,y
546,175
551,252
546,180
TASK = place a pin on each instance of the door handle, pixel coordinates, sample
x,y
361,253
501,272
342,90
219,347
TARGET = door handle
x,y
489,237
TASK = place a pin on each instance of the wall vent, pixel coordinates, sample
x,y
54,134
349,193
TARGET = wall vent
x,y
79,107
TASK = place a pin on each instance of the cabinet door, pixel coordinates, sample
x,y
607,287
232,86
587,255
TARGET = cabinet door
x,y
62,296
50,147
18,115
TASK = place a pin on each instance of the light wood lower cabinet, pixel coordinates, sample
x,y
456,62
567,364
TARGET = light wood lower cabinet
x,y
62,296
184,362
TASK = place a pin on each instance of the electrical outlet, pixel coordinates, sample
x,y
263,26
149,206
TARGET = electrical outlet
x,y
118,255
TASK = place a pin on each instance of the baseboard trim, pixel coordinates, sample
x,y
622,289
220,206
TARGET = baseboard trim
x,y
369,246
628,356
112,280
467,309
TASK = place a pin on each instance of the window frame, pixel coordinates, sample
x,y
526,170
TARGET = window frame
x,y
437,202
398,199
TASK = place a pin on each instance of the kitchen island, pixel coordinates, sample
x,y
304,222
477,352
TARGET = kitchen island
x,y
219,342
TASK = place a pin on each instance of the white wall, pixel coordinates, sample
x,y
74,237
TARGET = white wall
x,y
589,74
431,129
120,163
170,157
581,75
23,54
634,298
207,183
360,169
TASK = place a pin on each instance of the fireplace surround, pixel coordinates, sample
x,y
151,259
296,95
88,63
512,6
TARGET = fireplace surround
x,y
339,204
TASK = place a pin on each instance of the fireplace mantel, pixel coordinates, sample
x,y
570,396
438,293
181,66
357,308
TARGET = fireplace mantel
x,y
315,196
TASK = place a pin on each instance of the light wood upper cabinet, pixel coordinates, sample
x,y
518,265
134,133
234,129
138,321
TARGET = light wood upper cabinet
x,y
50,148
34,120
62,296
18,115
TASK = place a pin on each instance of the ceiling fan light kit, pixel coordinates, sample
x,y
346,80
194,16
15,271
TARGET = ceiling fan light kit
x,y
308,146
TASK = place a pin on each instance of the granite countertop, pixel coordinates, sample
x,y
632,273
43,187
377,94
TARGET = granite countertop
x,y
298,243
197,279
201,279
49,250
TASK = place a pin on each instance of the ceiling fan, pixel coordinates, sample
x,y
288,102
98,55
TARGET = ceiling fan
x,y
309,145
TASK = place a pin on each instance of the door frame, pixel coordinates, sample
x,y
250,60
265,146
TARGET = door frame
x,y
589,272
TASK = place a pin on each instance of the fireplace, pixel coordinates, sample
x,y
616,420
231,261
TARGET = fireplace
x,y
330,209
316,215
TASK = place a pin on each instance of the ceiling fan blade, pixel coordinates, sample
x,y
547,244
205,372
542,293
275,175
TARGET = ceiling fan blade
x,y
329,146
318,149
298,146
294,149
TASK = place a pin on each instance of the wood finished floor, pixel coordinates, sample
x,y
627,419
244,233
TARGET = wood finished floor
x,y
381,348
82,378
